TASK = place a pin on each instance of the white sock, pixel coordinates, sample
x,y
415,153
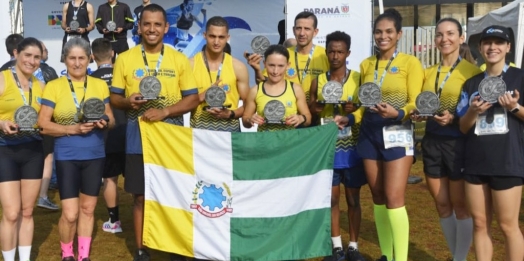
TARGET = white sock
x,y
24,253
464,238
9,255
353,245
337,241
449,228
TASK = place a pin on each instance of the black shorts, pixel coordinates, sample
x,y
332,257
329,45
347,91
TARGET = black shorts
x,y
134,182
23,161
49,144
76,176
495,182
443,156
115,164
119,46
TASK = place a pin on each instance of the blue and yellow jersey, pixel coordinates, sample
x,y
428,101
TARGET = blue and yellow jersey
x,y
287,98
345,153
58,96
174,73
450,94
319,64
10,101
201,119
401,85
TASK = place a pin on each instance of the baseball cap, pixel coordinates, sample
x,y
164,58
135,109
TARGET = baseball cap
x,y
495,31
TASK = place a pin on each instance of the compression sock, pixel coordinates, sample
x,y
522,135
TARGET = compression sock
x,y
399,221
385,238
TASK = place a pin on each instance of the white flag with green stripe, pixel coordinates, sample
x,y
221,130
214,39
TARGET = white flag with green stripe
x,y
238,196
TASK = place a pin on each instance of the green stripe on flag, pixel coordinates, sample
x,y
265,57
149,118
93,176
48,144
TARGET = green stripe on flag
x,y
286,238
280,154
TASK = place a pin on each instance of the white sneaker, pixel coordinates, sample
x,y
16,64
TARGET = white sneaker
x,y
112,227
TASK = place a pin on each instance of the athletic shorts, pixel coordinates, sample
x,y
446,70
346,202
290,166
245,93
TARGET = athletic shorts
x,y
134,182
354,177
49,144
443,156
371,146
22,161
495,182
115,164
79,176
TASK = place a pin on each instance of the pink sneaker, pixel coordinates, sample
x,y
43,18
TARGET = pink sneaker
x,y
112,227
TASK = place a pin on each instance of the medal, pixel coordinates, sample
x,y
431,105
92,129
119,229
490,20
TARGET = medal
x,y
259,44
427,103
74,17
274,112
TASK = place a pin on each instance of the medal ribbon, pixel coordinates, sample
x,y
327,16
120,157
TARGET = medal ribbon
x,y
506,66
307,63
22,90
105,65
219,67
375,78
75,12
73,93
438,89
158,62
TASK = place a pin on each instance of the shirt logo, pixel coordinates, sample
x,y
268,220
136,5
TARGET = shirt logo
x,y
394,70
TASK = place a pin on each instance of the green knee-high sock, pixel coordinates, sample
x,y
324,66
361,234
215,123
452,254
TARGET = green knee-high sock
x,y
385,237
399,221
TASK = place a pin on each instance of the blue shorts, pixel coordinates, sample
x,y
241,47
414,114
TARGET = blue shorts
x,y
371,146
354,177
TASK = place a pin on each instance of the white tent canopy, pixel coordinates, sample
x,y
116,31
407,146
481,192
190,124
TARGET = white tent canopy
x,y
510,15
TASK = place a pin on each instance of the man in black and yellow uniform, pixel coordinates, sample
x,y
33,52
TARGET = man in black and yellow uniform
x,y
214,67
348,168
120,13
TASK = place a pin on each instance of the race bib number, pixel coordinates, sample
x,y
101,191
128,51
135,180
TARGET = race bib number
x,y
343,133
398,136
497,127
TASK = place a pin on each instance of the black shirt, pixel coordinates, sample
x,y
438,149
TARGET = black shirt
x,y
7,65
82,16
496,155
116,137
120,14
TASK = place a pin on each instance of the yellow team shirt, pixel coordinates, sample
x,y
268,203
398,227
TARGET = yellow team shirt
x,y
10,101
58,96
349,93
175,75
401,84
451,91
319,64
287,98
201,119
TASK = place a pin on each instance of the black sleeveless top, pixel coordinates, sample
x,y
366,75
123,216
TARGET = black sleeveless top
x,y
82,16
185,22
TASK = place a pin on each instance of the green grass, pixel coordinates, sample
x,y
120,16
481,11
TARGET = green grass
x,y
426,240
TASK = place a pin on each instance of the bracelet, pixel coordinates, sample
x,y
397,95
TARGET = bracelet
x,y
305,119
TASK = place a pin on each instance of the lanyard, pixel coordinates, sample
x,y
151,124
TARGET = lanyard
x,y
73,93
385,69
506,66
20,87
438,89
105,65
75,11
219,67
307,63
158,62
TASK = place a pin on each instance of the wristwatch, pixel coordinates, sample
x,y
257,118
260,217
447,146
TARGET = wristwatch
x,y
516,109
232,115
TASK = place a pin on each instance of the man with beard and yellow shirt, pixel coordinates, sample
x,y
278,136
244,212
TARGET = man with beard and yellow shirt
x,y
214,67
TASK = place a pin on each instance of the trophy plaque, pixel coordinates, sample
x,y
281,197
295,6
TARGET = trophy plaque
x,y
369,94
150,88
332,93
111,26
259,44
74,25
93,110
26,118
491,88
427,104
274,112
215,97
